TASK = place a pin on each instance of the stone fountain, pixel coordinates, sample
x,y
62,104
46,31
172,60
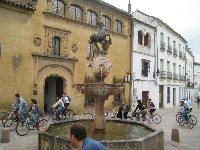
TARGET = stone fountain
x,y
100,66
120,134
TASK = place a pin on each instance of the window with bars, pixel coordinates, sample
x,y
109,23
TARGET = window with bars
x,y
58,7
168,94
76,13
89,100
92,18
118,26
107,22
140,37
56,46
145,68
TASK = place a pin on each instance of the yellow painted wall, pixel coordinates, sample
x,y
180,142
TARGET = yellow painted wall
x,y
19,26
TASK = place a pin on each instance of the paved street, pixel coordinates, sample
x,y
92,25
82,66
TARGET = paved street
x,y
190,138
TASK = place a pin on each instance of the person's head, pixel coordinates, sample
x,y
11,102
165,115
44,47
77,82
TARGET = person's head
x,y
33,101
17,96
63,94
149,100
77,133
139,101
182,102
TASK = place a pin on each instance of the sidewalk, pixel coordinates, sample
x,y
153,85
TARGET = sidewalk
x,y
190,138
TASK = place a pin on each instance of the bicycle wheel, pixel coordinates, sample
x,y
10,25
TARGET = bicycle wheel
x,y
177,115
4,118
69,114
146,121
88,115
10,123
190,123
181,121
22,128
42,124
156,118
194,119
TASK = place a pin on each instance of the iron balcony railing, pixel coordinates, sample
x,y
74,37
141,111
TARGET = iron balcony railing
x,y
169,75
169,50
175,76
180,54
162,46
174,52
162,74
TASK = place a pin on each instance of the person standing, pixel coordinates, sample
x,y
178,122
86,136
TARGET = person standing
x,y
22,107
198,101
78,139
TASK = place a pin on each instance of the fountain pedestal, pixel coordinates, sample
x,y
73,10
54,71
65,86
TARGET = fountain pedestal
x,y
99,118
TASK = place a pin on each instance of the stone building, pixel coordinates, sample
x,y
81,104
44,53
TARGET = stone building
x,y
44,48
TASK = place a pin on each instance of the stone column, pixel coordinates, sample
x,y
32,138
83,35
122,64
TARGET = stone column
x,y
99,118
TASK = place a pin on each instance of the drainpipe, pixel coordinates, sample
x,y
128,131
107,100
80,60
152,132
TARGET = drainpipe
x,y
131,84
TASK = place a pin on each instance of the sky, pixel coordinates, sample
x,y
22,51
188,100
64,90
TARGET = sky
x,y
182,15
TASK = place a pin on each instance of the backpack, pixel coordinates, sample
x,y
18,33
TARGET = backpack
x,y
69,98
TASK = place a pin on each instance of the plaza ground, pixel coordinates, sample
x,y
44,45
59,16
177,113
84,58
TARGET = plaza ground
x,y
189,138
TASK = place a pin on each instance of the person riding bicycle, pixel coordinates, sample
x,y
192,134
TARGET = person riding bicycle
x,y
60,107
142,109
22,107
36,112
152,107
186,110
66,100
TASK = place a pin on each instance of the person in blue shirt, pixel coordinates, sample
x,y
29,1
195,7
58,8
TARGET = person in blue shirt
x,y
78,139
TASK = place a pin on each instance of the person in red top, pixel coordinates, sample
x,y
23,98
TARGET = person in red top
x,y
152,107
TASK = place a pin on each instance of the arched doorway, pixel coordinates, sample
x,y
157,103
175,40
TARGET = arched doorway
x,y
53,88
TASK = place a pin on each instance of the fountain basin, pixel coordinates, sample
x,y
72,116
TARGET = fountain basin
x,y
117,136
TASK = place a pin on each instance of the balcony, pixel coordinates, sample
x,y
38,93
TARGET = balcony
x,y
169,75
169,50
175,52
162,46
180,55
162,74
175,76
181,77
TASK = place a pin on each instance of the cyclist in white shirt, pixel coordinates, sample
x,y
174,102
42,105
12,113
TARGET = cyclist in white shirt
x,y
66,100
60,108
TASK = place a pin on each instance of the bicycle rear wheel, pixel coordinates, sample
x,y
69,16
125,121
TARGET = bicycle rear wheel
x,y
42,124
69,114
194,119
156,118
22,128
190,123
10,123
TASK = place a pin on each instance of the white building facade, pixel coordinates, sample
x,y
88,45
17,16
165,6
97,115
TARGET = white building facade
x,y
190,75
196,91
144,57
167,55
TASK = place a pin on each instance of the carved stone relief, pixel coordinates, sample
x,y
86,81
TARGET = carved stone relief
x,y
37,41
63,36
74,47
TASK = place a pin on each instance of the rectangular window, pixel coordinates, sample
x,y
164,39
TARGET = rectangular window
x,y
168,41
117,98
145,68
174,44
168,94
180,69
179,47
88,100
161,65
174,68
56,46
168,66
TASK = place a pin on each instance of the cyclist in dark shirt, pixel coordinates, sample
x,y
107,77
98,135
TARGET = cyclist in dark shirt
x,y
142,109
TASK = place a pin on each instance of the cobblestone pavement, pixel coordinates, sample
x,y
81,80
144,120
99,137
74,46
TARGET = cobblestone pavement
x,y
190,138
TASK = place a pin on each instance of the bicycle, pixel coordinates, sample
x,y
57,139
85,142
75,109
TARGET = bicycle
x,y
156,118
193,118
11,119
23,128
8,115
136,116
182,122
